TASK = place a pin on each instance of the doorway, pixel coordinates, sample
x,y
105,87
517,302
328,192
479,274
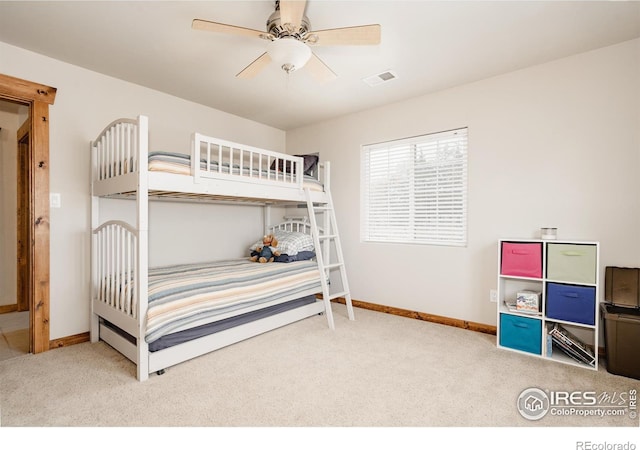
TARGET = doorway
x,y
32,220
14,300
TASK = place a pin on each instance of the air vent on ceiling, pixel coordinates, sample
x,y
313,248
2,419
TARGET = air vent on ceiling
x,y
380,78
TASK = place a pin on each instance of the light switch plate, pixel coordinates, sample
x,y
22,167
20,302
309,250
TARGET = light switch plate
x,y
54,200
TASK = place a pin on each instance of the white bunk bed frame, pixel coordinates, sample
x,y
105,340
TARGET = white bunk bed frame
x,y
120,170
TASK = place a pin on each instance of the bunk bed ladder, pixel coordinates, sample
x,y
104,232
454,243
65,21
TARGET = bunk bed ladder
x,y
323,252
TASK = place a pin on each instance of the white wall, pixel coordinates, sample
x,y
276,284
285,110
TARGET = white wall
x,y
556,145
85,103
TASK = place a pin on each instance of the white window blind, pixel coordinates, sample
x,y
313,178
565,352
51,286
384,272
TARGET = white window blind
x,y
415,190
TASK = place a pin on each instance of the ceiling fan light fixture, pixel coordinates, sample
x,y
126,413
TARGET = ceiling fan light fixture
x,y
289,53
291,40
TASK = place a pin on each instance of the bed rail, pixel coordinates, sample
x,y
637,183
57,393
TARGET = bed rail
x,y
224,159
116,267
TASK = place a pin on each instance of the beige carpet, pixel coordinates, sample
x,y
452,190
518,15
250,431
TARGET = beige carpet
x,y
378,371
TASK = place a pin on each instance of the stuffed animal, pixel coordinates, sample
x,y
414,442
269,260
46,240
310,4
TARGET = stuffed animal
x,y
267,252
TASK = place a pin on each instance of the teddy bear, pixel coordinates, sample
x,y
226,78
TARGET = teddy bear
x,y
267,252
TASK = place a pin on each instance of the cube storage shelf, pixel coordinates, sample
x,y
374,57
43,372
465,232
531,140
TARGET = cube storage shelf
x,y
566,275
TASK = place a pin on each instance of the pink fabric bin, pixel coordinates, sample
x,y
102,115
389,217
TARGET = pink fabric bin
x,y
522,259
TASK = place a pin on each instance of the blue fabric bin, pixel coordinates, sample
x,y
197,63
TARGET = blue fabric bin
x,y
571,303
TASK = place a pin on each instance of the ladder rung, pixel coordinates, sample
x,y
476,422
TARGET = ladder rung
x,y
322,208
328,236
333,265
338,295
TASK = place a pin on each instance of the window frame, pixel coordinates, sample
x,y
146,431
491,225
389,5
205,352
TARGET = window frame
x,y
444,153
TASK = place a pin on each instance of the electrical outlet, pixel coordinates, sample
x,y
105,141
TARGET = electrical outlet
x,y
493,296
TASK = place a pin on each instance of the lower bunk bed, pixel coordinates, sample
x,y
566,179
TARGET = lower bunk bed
x,y
159,317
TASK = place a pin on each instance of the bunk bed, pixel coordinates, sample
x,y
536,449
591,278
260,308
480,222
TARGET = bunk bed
x,y
161,316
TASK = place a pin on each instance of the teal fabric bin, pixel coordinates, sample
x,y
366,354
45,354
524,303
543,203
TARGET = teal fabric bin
x,y
521,333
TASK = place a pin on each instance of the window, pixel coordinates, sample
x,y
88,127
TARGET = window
x,y
415,190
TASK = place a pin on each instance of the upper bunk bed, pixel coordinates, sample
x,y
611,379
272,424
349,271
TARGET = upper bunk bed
x,y
215,170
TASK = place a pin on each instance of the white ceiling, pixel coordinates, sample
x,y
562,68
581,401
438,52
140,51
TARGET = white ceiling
x,y
430,45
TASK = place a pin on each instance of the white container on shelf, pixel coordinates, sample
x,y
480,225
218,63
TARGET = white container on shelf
x,y
548,233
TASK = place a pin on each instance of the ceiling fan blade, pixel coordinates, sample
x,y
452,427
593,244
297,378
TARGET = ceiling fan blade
x,y
291,11
319,70
255,67
362,35
205,25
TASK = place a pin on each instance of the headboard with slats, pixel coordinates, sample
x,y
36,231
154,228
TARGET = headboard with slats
x,y
294,224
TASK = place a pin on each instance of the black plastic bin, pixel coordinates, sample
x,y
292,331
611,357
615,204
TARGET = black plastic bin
x,y
621,318
621,340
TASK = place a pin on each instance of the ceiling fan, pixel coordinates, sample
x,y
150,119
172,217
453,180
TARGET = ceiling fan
x,y
291,38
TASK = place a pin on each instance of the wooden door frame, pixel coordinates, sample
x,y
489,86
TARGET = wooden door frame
x,y
38,97
23,284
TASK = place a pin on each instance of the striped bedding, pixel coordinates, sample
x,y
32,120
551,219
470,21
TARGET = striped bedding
x,y
179,163
182,295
